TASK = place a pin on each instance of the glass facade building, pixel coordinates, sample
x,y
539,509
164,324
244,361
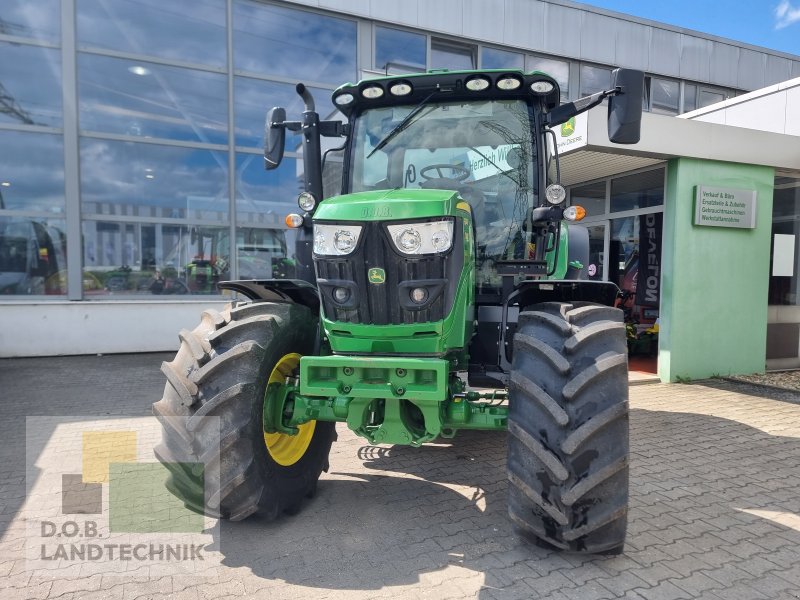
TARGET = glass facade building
x,y
131,132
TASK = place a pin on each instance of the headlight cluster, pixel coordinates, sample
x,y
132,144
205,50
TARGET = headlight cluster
x,y
335,240
422,238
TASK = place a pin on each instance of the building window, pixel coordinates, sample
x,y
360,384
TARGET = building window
x,y
452,55
708,97
32,238
492,58
557,69
304,46
188,30
594,79
689,97
664,96
39,20
27,99
399,51
592,197
145,99
640,190
253,96
784,280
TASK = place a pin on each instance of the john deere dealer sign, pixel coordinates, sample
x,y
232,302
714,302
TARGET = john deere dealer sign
x,y
725,207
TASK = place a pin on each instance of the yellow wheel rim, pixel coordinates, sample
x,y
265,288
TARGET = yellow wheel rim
x,y
285,449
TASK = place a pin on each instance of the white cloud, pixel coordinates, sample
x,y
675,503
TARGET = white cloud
x,y
786,14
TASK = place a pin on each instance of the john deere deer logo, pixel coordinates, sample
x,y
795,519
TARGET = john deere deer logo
x,y
376,276
568,128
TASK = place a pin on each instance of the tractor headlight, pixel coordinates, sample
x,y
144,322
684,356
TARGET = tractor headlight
x,y
433,237
335,240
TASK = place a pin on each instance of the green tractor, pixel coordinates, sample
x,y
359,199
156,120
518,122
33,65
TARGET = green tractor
x,y
442,290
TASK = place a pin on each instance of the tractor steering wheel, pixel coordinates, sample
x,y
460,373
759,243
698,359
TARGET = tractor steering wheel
x,y
459,173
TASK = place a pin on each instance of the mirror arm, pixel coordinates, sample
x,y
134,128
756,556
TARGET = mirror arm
x,y
334,129
565,112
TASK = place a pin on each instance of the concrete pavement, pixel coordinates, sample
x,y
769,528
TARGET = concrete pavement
x,y
715,506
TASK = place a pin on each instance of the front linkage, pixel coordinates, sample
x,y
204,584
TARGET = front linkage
x,y
384,400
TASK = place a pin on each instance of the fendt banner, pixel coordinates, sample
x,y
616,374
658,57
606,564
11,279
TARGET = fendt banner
x,y
648,284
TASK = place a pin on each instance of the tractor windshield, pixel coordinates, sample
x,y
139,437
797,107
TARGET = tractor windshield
x,y
484,150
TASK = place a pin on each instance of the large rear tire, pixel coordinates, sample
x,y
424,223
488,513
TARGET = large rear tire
x,y
222,370
568,423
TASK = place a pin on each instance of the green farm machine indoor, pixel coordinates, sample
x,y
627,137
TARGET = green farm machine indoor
x,y
442,290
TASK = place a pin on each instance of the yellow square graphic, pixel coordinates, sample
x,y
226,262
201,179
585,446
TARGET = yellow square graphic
x,y
103,447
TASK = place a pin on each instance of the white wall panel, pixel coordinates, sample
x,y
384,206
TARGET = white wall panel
x,y
442,15
768,113
751,69
562,30
598,35
695,58
404,12
665,52
484,19
356,7
633,45
795,68
778,70
724,64
524,24
793,111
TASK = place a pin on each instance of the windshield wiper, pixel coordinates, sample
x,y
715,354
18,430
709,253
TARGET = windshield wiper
x,y
402,125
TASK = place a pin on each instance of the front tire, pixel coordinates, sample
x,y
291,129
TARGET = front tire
x,y
222,370
568,424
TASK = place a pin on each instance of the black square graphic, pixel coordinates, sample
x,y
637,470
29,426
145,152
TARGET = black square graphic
x,y
78,498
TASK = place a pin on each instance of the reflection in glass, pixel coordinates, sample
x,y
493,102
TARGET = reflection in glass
x,y
188,30
449,55
265,253
153,259
592,197
557,69
594,79
264,198
596,268
706,98
665,96
298,44
149,100
623,265
150,180
399,51
689,97
254,97
785,290
31,172
491,58
637,191
40,20
27,99
32,256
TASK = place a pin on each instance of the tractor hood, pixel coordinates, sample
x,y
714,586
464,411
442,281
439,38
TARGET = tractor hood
x,y
389,205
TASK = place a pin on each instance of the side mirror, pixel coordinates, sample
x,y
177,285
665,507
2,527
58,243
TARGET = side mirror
x,y
625,108
275,136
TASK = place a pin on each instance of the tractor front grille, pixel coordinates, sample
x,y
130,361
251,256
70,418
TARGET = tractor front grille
x,y
387,303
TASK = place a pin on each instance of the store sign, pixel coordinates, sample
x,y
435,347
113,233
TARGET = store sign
x,y
725,207
648,280
571,135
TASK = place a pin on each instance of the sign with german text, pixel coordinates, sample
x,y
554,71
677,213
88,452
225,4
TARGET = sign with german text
x,y
648,279
725,207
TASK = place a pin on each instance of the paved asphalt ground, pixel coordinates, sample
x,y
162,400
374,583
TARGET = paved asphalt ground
x,y
715,506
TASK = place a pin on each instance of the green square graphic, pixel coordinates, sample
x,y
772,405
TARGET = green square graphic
x,y
139,501
79,498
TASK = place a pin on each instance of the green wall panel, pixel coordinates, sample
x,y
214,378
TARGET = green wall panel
x,y
714,279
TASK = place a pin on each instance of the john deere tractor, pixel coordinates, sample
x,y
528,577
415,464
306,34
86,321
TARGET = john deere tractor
x,y
442,290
